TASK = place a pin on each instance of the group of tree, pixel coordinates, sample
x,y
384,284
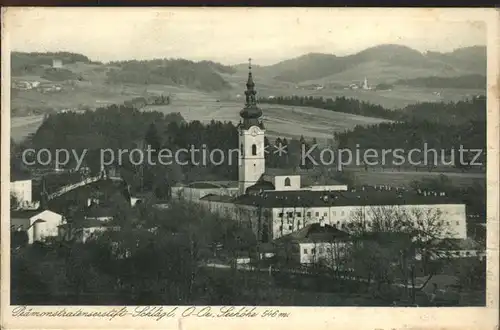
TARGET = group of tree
x,y
414,134
140,102
27,63
474,197
339,104
157,257
197,75
59,74
473,81
288,154
394,253
126,128
461,112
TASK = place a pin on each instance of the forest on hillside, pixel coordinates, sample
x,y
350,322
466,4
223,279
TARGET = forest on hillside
x,y
198,75
122,127
413,134
203,75
312,66
472,109
27,63
473,81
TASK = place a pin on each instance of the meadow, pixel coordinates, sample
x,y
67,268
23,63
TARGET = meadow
x,y
394,178
279,120
93,91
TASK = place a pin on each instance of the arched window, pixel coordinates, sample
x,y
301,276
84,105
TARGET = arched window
x,y
287,182
241,149
254,150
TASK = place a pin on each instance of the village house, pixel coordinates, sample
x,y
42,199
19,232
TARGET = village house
x,y
315,244
39,225
84,229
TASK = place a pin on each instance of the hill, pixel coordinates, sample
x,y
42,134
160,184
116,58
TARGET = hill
x,y
33,63
85,83
197,75
384,63
469,58
475,81
204,75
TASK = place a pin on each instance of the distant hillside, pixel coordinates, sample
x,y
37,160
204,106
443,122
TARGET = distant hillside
x,y
474,81
384,63
470,58
219,67
204,75
33,63
197,75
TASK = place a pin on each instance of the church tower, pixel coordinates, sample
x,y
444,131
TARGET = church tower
x,y
251,138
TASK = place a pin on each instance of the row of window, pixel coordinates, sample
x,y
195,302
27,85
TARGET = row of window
x,y
329,250
308,214
290,227
321,250
343,225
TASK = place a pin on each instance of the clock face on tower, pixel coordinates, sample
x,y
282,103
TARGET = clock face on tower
x,y
254,130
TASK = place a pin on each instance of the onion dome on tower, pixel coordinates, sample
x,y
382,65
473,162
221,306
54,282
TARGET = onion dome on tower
x,y
251,113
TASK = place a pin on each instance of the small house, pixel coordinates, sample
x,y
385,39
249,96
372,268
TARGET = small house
x,y
39,225
317,243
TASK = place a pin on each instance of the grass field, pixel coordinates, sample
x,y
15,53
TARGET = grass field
x,y
282,121
398,97
403,179
21,127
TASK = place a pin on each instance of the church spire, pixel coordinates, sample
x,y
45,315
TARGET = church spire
x,y
251,112
250,92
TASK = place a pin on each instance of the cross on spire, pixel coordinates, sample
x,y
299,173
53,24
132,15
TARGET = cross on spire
x,y
250,64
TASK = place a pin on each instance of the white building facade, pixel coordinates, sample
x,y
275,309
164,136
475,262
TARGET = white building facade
x,y
252,161
251,140
448,220
22,190
39,226
452,217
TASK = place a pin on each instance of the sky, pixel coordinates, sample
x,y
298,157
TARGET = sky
x,y
232,35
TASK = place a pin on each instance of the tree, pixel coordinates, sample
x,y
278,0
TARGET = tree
x,y
18,238
152,138
410,234
335,255
14,202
